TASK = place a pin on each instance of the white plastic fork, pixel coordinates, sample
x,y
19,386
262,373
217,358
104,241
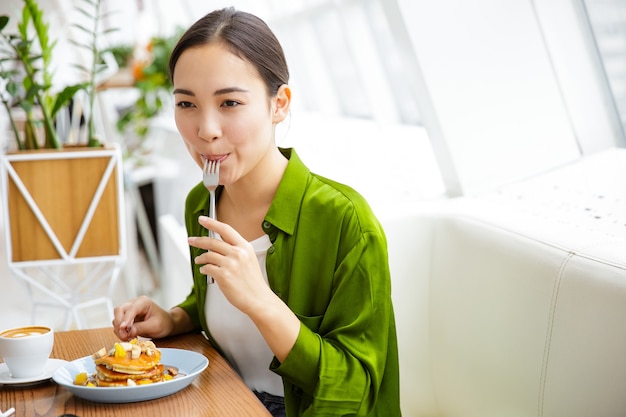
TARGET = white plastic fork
x,y
211,179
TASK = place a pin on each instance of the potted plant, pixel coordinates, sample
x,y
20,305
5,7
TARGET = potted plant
x,y
33,90
25,67
149,75
62,205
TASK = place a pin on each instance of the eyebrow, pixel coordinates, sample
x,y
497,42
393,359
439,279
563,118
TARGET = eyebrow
x,y
221,91
230,90
183,91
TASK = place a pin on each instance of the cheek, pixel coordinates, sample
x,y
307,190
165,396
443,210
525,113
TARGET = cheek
x,y
186,132
185,128
240,132
251,128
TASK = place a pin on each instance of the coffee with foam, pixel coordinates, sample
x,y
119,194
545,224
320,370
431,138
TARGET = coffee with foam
x,y
25,350
24,332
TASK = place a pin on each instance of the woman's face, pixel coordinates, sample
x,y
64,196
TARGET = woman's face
x,y
223,111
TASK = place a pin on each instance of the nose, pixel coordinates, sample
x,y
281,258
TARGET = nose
x,y
209,126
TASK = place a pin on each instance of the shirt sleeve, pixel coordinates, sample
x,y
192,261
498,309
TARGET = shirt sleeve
x,y
193,305
190,305
339,367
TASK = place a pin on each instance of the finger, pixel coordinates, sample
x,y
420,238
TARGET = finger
x,y
125,319
228,234
118,317
141,328
128,313
211,270
209,244
116,329
123,330
123,334
213,255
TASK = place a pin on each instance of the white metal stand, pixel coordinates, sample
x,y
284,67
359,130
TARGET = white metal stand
x,y
70,283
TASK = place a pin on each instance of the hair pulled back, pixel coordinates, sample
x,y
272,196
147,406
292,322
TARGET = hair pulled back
x,y
246,36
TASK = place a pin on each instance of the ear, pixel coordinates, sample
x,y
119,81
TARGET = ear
x,y
280,103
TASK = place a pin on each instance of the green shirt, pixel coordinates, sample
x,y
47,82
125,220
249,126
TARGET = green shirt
x,y
328,263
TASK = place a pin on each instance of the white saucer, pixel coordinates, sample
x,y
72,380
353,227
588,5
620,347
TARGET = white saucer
x,y
51,366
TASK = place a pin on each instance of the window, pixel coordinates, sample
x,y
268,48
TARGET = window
x,y
608,22
346,61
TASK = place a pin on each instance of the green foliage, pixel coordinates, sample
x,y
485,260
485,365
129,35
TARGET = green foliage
x,y
91,10
121,53
35,85
25,69
153,83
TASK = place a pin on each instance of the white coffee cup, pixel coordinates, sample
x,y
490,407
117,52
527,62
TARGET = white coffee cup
x,y
25,350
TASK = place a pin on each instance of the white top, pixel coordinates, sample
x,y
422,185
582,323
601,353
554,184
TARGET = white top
x,y
238,337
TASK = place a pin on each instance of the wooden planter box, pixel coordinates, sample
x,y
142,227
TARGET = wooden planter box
x,y
62,204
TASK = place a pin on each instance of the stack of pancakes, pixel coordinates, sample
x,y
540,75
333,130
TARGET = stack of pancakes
x,y
128,363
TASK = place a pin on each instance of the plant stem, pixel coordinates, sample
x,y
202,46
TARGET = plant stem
x,y
20,144
52,141
93,140
30,135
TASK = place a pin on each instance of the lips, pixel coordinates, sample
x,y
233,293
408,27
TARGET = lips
x,y
220,158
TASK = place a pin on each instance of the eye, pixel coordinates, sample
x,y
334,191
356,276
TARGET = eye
x,y
184,104
230,103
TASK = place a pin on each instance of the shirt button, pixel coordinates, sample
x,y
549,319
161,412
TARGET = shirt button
x,y
270,249
266,225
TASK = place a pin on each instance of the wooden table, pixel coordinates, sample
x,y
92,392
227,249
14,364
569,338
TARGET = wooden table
x,y
218,391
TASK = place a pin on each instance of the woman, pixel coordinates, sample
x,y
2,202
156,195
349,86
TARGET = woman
x,y
301,303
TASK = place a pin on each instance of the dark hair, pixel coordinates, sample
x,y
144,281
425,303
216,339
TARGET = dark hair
x,y
245,35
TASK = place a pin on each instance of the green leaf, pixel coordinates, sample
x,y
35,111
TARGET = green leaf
x,y
85,13
31,91
108,14
80,67
23,45
22,25
64,97
12,88
81,45
27,106
83,29
4,20
30,136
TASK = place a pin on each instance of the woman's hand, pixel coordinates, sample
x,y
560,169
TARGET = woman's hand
x,y
143,317
233,264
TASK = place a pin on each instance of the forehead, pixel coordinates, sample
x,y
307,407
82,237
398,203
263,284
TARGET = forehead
x,y
213,62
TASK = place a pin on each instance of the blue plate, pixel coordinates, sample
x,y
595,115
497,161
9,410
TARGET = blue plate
x,y
189,364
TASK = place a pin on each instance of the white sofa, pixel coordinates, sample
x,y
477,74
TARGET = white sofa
x,y
513,304
508,304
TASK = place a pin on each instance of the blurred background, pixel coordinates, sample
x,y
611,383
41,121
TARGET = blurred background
x,y
408,101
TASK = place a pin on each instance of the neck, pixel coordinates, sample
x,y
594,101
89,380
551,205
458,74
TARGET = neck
x,y
257,189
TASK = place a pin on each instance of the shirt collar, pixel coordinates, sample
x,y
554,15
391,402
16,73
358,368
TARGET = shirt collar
x,y
285,208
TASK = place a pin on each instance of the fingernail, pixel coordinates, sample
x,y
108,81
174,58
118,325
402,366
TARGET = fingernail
x,y
203,218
